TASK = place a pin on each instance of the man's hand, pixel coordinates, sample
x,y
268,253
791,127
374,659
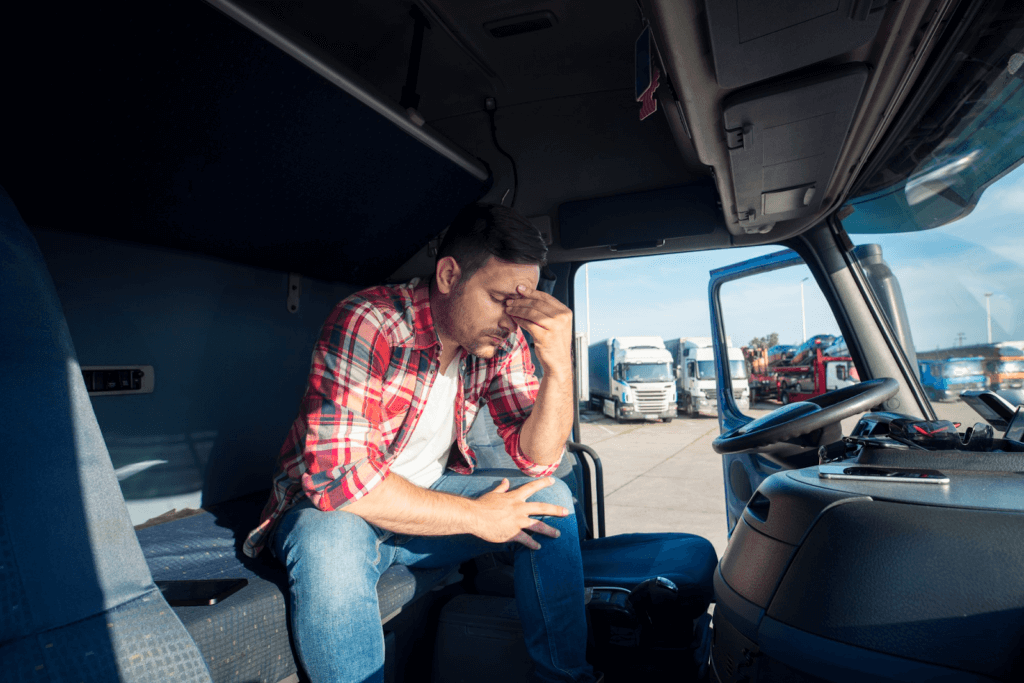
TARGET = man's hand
x,y
506,515
549,322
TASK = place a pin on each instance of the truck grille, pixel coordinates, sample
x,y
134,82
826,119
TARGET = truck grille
x,y
652,401
712,394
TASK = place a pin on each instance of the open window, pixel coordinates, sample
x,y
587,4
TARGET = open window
x,y
796,352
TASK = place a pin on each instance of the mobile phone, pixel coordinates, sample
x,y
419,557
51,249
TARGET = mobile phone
x,y
201,592
894,474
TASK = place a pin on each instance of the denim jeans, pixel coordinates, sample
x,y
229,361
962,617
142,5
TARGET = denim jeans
x,y
335,558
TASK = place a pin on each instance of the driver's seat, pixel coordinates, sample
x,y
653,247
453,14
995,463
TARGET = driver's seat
x,y
620,561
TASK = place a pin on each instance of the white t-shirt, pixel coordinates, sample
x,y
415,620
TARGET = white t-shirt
x,y
424,458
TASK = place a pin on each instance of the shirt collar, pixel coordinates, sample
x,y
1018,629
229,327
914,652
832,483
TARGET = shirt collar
x,y
424,335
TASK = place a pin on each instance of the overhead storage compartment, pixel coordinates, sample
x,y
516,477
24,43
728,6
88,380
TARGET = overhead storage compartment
x,y
213,134
754,40
784,141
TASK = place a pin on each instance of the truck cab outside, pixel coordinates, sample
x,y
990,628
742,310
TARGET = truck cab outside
x,y
945,379
631,378
694,358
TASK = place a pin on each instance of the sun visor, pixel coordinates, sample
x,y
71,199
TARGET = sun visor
x,y
640,220
753,40
784,142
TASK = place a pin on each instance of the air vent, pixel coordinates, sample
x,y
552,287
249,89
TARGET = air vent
x,y
523,23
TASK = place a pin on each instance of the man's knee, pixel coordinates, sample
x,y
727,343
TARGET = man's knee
x,y
331,547
556,494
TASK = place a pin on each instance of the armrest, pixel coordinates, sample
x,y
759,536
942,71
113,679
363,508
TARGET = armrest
x,y
578,448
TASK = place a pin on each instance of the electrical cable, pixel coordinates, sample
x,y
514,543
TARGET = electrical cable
x,y
491,109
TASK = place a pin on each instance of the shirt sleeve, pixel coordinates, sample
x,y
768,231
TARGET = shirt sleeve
x,y
511,396
341,447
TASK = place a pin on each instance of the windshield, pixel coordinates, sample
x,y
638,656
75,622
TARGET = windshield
x,y
968,134
1011,366
944,200
706,368
962,368
647,372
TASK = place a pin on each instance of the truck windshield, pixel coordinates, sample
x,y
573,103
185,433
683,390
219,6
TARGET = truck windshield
x,y
1011,366
962,368
945,203
737,369
647,372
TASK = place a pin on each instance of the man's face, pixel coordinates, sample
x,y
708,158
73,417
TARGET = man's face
x,y
473,313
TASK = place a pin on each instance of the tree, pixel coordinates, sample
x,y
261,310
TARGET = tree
x,y
765,342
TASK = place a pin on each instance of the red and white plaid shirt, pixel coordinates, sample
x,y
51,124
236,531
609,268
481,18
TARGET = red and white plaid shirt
x,y
372,369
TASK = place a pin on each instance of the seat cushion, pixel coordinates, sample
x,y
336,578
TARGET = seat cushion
x,y
245,637
623,561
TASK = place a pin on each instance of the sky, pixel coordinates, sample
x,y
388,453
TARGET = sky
x,y
944,274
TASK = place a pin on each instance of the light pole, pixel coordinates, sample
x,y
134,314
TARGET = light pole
x,y
803,316
988,314
586,274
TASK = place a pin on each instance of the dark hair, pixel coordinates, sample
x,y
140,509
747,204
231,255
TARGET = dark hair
x,y
484,230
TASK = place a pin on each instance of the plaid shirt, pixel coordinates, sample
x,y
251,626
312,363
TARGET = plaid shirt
x,y
372,369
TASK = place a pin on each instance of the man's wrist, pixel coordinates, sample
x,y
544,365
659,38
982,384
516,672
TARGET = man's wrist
x,y
471,516
561,374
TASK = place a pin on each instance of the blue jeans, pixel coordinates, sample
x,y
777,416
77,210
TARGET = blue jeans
x,y
334,560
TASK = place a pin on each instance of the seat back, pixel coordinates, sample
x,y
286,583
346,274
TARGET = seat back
x,y
77,601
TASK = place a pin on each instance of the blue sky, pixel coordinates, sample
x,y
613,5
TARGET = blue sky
x,y
944,274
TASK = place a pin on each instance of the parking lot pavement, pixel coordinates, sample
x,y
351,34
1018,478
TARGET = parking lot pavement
x,y
660,477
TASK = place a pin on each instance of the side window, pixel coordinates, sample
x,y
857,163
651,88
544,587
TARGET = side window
x,y
785,336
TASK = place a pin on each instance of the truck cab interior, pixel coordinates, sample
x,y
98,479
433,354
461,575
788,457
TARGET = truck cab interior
x,y
189,187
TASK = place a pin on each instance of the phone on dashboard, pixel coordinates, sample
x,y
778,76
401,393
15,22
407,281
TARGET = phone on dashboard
x,y
202,592
894,474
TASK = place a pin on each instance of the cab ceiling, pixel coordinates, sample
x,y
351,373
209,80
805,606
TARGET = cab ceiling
x,y
564,94
565,103
565,112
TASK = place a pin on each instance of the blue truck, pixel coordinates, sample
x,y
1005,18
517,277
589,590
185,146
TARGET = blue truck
x,y
944,380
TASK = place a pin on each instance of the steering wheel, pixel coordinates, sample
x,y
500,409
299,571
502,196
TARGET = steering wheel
x,y
796,419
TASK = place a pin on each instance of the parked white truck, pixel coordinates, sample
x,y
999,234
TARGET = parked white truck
x,y
632,378
694,360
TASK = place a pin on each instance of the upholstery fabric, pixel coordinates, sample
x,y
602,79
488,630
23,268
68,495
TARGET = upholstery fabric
x,y
625,560
78,599
245,637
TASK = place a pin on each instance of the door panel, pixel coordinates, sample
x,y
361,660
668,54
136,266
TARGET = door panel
x,y
770,300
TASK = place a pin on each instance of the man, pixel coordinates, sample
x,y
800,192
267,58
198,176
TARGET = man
x,y
375,468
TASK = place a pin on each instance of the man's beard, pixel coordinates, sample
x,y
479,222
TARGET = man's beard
x,y
457,325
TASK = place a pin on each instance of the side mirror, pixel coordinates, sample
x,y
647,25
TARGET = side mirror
x,y
886,289
677,371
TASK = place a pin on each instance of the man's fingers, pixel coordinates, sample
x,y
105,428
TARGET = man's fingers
x,y
545,510
501,487
534,310
527,540
535,294
542,528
